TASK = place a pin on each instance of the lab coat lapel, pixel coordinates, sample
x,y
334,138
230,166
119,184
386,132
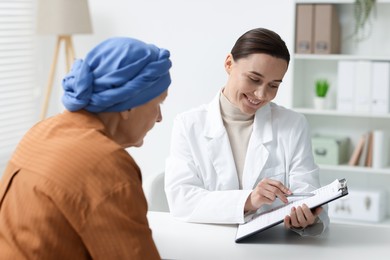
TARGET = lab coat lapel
x,y
257,153
218,147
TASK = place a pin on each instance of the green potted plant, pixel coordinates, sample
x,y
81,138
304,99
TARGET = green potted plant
x,y
321,89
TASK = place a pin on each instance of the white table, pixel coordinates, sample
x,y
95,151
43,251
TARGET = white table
x,y
180,240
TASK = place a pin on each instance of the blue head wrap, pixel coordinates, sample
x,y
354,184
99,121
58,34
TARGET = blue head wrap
x,y
117,75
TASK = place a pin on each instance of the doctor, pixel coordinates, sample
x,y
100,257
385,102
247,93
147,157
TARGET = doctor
x,y
242,152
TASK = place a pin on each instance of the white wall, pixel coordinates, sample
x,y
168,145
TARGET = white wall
x,y
199,34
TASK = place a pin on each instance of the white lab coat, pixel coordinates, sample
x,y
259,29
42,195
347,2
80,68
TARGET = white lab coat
x,y
201,180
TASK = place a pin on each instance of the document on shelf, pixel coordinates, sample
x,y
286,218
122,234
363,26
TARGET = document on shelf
x,y
258,222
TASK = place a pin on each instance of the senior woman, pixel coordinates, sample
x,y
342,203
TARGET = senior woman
x,y
70,190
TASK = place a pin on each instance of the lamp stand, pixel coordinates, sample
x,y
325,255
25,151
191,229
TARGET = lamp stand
x,y
69,57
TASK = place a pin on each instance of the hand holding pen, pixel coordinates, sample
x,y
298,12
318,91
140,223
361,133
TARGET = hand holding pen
x,y
265,193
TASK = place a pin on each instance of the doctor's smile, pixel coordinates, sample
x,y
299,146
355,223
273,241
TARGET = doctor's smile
x,y
254,102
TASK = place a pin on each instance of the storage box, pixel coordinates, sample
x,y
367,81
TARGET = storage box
x,y
304,28
362,205
326,29
330,150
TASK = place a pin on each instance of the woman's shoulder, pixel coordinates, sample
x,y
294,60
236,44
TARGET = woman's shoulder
x,y
285,112
288,116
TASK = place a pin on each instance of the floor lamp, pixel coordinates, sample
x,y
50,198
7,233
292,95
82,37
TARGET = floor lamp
x,y
62,18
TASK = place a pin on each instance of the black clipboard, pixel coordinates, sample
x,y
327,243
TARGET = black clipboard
x,y
273,217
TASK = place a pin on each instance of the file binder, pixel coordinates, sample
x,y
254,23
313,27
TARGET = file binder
x,y
326,29
362,101
380,87
346,82
259,222
304,38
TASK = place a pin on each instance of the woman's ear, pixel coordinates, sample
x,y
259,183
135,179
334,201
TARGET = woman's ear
x,y
125,114
228,63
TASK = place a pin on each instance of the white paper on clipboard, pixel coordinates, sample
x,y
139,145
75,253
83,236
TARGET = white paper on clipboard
x,y
273,217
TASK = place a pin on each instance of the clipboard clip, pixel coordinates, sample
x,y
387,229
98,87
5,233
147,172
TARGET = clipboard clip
x,y
342,184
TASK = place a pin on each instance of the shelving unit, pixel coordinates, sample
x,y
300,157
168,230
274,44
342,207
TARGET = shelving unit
x,y
311,111
355,169
334,1
309,67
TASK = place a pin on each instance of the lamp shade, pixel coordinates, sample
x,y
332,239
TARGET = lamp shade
x,y
63,17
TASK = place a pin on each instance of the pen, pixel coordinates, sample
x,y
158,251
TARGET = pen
x,y
300,194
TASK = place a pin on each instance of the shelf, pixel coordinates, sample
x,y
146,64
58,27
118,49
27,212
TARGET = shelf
x,y
307,68
337,57
310,111
335,1
355,169
384,223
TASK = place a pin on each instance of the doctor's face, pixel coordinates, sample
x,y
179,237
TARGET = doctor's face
x,y
253,81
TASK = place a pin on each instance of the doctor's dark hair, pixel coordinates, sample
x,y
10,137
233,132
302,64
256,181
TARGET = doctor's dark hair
x,y
260,40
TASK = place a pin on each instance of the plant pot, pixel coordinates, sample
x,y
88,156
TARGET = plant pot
x,y
319,103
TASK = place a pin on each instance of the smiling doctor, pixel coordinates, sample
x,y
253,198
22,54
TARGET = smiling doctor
x,y
242,152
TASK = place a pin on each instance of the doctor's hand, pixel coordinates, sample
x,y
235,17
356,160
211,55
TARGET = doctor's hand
x,y
301,217
266,191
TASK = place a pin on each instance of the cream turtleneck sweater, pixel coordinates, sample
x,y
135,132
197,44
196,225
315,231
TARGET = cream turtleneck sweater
x,y
239,129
